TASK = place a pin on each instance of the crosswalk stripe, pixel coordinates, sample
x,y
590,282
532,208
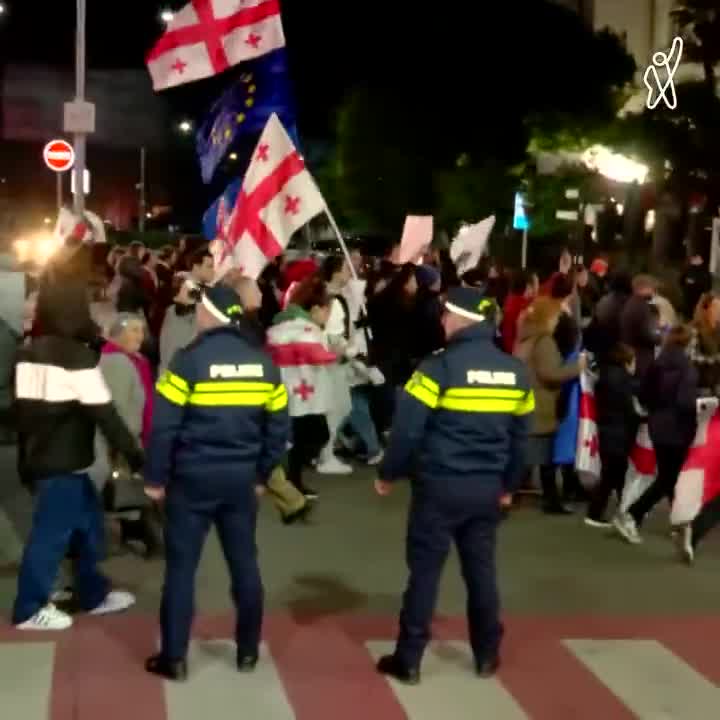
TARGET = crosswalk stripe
x,y
26,673
215,683
450,687
652,681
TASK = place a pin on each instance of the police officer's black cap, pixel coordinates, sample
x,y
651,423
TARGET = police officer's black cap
x,y
222,302
470,303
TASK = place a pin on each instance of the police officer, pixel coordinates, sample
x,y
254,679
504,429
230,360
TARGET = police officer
x,y
220,427
463,419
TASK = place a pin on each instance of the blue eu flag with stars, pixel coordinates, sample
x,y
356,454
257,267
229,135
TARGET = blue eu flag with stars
x,y
240,115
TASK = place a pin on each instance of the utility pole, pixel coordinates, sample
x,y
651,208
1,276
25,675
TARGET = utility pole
x,y
80,138
141,188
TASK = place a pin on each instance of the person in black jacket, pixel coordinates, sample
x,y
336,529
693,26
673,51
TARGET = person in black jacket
x,y
61,397
617,423
640,323
669,393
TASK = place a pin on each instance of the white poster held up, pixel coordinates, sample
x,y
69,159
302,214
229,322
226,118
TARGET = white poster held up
x,y
416,238
470,244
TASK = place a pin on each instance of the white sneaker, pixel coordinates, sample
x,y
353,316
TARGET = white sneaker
x,y
47,618
625,524
600,524
683,538
116,601
376,459
333,466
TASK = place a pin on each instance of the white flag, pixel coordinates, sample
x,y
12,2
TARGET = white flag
x,y
207,37
278,197
470,243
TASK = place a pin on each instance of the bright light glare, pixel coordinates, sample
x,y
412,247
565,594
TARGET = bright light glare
x,y
650,221
233,156
37,248
48,221
185,126
614,166
620,208
2,8
167,16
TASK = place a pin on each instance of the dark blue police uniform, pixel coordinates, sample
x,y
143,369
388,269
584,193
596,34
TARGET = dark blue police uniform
x,y
460,433
220,427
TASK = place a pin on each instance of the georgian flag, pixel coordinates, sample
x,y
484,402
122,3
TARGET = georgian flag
x,y
207,37
587,460
642,469
699,481
277,198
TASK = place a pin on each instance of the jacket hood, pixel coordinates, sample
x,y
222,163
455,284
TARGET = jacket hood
x,y
540,318
63,310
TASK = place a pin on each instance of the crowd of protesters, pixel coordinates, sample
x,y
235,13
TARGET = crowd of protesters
x,y
354,332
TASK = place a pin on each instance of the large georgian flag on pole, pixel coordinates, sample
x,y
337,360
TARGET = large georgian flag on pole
x,y
278,197
642,469
207,37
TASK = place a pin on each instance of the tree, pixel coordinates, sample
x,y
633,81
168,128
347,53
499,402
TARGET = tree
x,y
699,25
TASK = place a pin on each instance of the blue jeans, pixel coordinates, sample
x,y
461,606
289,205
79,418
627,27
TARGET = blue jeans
x,y
361,422
66,507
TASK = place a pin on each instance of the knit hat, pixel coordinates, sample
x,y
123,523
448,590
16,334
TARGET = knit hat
x,y
427,276
223,303
469,303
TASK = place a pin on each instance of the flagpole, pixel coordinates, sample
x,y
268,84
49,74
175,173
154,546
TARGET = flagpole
x,y
343,244
80,138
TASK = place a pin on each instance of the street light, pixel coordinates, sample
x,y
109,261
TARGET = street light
x,y
2,8
185,127
167,16
233,156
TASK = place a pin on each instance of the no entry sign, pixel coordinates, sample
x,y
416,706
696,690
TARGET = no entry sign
x,y
59,155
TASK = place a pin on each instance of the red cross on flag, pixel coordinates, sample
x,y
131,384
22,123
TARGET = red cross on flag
x,y
699,481
278,197
207,37
587,460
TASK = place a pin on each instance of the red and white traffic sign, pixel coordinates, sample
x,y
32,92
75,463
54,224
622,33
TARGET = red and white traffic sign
x,y
59,155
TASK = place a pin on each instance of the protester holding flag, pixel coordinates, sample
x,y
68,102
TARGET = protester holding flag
x,y
669,393
297,344
548,372
617,425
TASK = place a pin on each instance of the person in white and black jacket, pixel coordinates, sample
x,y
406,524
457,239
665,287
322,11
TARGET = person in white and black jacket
x,y
61,398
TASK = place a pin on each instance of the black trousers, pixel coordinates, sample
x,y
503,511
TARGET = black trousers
x,y
707,519
612,478
310,434
670,459
433,525
548,481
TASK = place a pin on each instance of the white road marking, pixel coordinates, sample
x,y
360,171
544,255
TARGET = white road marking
x,y
215,689
450,688
652,681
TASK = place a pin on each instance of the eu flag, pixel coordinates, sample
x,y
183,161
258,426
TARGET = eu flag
x,y
211,218
261,89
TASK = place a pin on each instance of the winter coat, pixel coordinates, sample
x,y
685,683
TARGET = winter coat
x,y
514,306
178,331
704,353
548,372
617,420
669,393
639,328
298,347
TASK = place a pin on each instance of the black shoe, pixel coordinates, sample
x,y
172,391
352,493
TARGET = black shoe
x,y
247,663
390,665
488,667
557,510
175,670
300,515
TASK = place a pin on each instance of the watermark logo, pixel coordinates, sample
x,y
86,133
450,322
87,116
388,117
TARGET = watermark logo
x,y
663,90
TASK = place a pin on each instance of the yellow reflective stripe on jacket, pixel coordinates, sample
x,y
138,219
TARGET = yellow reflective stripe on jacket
x,y
527,405
229,399
424,389
173,388
220,386
488,400
504,393
278,400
